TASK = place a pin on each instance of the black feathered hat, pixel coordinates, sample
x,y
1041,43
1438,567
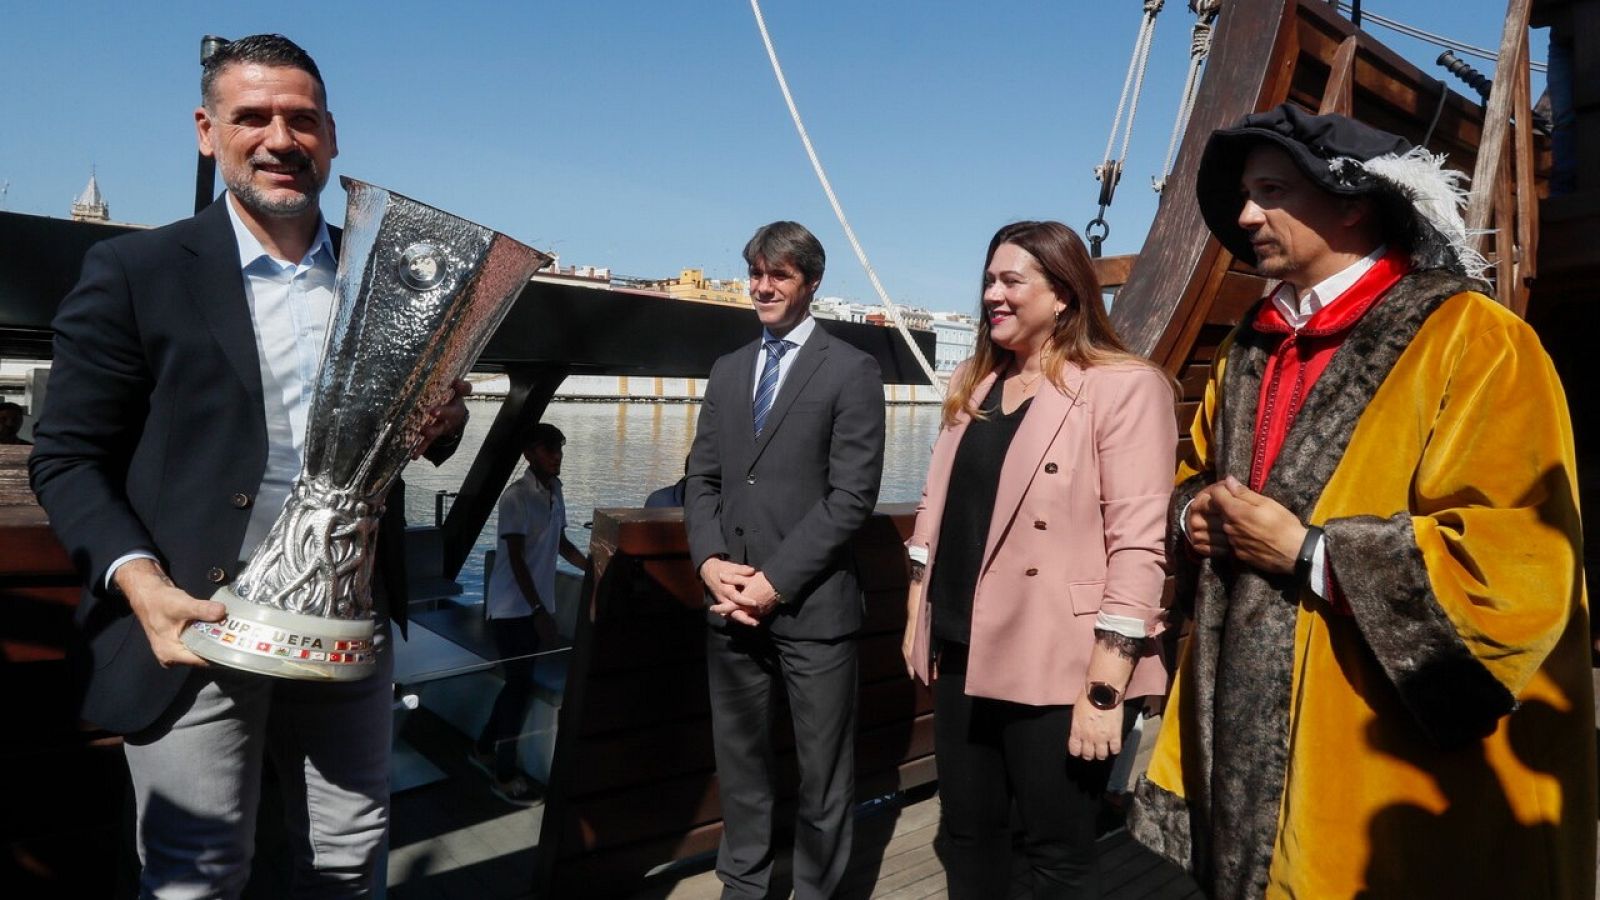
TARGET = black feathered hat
x,y
1419,201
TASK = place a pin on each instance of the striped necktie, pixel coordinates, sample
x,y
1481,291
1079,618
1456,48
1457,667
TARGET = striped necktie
x,y
767,388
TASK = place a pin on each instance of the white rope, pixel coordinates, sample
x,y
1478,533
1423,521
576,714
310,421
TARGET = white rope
x,y
1438,40
1199,50
827,188
1110,171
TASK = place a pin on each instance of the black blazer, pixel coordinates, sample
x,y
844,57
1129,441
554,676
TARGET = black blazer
x,y
789,502
153,437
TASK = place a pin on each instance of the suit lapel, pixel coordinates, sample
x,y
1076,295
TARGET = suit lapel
x,y
216,287
1037,432
807,360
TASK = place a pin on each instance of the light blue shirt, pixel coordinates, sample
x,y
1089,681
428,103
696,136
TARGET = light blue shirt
x,y
289,307
797,338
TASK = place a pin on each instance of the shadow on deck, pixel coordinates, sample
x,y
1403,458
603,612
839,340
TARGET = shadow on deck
x,y
894,858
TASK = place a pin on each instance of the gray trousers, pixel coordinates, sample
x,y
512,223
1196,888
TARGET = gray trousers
x,y
744,667
197,781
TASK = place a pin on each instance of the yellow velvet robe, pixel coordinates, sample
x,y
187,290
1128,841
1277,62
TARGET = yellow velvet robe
x,y
1440,741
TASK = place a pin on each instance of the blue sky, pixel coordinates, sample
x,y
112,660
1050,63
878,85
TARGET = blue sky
x,y
650,136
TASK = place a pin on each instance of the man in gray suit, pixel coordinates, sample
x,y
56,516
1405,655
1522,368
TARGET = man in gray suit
x,y
784,469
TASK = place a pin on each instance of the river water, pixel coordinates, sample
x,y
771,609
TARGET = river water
x,y
617,453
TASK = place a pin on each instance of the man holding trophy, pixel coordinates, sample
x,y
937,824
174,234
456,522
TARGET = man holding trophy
x,y
186,360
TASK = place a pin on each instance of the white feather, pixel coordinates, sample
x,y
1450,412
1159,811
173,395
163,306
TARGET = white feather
x,y
1437,193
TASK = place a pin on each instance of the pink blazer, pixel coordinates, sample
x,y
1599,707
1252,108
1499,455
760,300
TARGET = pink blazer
x,y
1078,528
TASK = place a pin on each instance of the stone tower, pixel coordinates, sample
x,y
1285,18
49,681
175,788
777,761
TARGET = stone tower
x,y
90,206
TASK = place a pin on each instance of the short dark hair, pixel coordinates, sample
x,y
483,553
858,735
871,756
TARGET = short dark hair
x,y
8,406
788,242
261,49
540,434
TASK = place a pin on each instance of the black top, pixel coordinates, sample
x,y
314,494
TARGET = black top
x,y
968,506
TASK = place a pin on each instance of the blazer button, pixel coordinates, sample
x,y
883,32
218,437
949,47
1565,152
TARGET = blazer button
x,y
1031,572
738,530
1050,468
1039,524
215,575
750,479
241,501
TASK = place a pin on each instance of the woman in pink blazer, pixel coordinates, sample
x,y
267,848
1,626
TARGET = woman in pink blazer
x,y
1037,567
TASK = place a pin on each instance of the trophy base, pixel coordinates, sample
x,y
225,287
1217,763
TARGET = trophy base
x,y
284,644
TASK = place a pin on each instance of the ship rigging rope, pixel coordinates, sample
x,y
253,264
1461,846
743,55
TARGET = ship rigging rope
x,y
1429,37
1199,48
1109,172
1134,82
827,188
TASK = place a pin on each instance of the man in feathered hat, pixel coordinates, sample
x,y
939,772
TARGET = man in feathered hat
x,y
1387,688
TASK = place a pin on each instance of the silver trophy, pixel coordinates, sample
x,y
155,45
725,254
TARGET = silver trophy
x,y
418,294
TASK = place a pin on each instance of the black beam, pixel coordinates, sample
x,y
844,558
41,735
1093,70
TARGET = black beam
x,y
622,332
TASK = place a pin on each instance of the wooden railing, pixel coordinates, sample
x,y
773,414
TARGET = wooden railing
x,y
633,784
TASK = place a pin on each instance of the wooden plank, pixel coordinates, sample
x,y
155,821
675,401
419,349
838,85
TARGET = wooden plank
x,y
1186,413
676,578
37,625
1497,119
1192,381
633,698
1505,231
32,551
1113,270
1527,194
648,642
1236,296
1337,96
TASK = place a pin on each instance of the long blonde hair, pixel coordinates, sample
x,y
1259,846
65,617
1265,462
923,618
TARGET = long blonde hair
x,y
1083,334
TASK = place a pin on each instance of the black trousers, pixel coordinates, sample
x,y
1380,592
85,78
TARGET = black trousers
x,y
744,667
517,640
991,752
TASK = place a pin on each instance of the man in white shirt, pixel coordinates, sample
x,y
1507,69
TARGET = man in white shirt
x,y
521,600
182,375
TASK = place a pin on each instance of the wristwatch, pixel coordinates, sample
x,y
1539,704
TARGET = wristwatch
x,y
1103,696
1308,551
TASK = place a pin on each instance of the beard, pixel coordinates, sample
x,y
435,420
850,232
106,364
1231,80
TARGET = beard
x,y
1272,261
281,205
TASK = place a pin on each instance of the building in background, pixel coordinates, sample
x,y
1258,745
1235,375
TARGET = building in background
x,y
90,205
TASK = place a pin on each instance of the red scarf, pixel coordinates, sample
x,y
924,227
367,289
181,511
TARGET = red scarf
x,y
1298,360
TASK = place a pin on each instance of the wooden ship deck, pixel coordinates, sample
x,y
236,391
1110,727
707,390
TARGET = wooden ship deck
x,y
631,806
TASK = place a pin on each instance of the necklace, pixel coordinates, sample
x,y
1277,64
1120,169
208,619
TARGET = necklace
x,y
1028,382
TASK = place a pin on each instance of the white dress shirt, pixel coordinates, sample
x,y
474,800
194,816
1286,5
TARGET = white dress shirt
x,y
797,338
1299,307
289,307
